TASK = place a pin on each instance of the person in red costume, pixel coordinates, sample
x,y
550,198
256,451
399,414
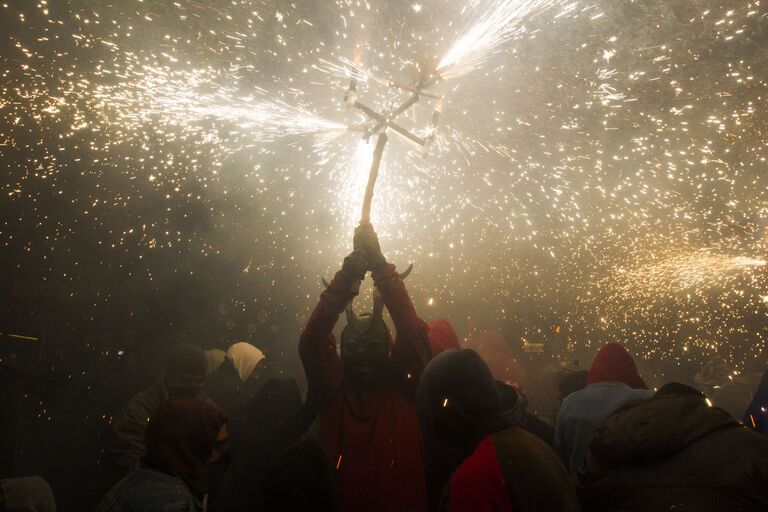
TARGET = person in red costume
x,y
442,336
367,424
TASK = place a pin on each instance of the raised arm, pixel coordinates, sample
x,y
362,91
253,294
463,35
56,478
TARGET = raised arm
x,y
411,353
317,346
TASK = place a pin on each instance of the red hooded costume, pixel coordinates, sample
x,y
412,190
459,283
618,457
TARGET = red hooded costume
x,y
375,444
614,364
442,337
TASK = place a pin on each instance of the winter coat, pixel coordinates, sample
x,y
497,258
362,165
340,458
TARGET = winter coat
x,y
130,424
511,471
374,443
477,461
150,490
173,475
674,452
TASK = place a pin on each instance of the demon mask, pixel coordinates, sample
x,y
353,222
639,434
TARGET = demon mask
x,y
365,343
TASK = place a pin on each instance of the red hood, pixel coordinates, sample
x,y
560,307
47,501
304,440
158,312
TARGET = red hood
x,y
442,336
614,364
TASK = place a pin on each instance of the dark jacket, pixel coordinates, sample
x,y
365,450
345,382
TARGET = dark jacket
x,y
476,461
255,449
674,452
226,390
513,471
130,424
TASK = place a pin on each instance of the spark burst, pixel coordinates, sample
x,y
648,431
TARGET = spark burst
x,y
499,21
579,147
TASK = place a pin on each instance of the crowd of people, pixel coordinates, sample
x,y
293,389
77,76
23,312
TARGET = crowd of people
x,y
415,422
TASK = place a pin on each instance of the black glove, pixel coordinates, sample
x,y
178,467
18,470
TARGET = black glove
x,y
367,242
355,265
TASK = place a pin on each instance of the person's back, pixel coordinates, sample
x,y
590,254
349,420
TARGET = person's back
x,y
183,376
511,470
476,460
130,423
675,452
149,490
581,413
301,479
181,438
612,381
228,386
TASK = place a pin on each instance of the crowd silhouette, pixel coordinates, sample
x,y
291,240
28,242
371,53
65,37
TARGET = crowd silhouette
x,y
411,421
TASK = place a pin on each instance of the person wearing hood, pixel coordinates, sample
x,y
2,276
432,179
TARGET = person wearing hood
x,y
442,336
215,358
228,387
367,423
274,420
183,376
613,380
675,452
476,460
756,416
182,438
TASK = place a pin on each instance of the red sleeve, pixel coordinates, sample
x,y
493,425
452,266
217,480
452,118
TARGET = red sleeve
x,y
410,352
477,485
317,346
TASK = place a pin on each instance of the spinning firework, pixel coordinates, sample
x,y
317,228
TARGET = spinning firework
x,y
379,122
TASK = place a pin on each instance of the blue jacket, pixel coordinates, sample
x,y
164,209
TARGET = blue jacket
x,y
581,413
756,416
147,489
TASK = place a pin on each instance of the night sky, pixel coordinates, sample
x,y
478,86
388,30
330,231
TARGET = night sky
x,y
182,170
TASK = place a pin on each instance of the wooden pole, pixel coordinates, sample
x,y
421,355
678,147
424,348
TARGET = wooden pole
x,y
365,218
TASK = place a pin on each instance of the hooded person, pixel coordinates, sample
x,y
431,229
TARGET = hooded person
x,y
302,479
612,381
26,494
183,377
442,336
493,348
476,460
756,416
182,437
514,404
274,420
367,425
675,452
215,358
228,386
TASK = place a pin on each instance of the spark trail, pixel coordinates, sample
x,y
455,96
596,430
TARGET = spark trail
x,y
186,99
497,23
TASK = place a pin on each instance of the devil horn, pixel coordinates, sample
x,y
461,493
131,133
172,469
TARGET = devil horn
x,y
407,272
325,283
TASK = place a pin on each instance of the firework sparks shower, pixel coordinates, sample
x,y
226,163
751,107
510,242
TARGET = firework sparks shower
x,y
582,164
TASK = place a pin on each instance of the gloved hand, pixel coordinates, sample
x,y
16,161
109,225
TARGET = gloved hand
x,y
367,242
355,265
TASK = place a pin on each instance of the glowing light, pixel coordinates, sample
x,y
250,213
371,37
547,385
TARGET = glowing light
x,y
500,22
